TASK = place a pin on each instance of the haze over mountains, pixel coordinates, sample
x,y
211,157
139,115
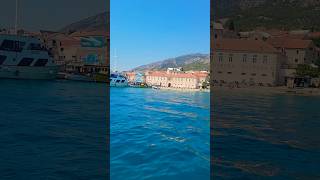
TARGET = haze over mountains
x,y
187,62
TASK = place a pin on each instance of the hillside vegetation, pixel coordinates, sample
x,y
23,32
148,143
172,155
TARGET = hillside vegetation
x,y
279,14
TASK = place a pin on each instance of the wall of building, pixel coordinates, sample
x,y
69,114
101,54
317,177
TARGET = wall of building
x,y
232,67
173,80
299,56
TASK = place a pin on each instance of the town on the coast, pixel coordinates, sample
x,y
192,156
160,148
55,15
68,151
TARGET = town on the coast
x,y
172,78
265,57
254,45
75,52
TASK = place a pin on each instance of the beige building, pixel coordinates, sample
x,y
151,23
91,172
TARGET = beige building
x,y
218,30
250,62
175,79
131,76
78,47
297,51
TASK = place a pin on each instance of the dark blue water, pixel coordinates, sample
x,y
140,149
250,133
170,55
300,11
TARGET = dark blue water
x,y
52,130
266,136
159,135
56,130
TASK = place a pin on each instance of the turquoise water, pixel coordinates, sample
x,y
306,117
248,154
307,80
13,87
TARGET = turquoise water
x,y
52,130
57,130
266,136
159,135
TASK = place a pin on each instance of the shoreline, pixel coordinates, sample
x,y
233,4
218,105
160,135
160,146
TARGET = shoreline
x,y
274,90
184,90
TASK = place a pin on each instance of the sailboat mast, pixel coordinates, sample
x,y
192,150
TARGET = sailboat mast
x,y
115,60
16,22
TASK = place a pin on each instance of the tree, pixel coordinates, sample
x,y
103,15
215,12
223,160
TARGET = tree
x,y
232,26
304,70
316,42
317,62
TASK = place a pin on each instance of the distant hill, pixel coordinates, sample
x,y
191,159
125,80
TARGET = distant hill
x,y
280,14
94,23
187,62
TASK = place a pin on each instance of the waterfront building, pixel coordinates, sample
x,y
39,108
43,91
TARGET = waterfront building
x,y
250,62
297,51
176,79
135,77
87,48
218,30
131,76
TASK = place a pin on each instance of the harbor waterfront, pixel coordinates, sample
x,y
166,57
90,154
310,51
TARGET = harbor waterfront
x,y
159,134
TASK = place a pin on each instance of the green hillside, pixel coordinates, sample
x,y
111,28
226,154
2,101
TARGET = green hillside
x,y
281,15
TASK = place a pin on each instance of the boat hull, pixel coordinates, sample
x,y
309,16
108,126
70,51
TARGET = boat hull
x,y
29,72
114,84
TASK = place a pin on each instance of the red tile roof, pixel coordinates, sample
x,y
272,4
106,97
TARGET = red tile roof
x,y
89,33
171,75
289,43
244,45
314,35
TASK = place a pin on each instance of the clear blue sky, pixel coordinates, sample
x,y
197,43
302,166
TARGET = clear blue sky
x,y
145,31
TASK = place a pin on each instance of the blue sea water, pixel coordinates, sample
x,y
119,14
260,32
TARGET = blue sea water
x,y
159,135
52,130
266,136
57,130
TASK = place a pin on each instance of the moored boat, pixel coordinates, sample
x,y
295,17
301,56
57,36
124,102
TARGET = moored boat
x,y
23,57
118,80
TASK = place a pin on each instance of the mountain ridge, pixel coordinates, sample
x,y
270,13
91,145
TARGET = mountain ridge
x,y
195,61
97,22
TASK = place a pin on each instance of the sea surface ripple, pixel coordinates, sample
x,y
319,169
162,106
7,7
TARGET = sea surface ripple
x,y
53,130
158,134
265,136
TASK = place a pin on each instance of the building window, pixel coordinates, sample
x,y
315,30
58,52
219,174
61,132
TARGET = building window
x,y
263,75
220,57
254,59
253,74
243,73
229,72
296,60
244,58
265,60
230,58
219,72
297,51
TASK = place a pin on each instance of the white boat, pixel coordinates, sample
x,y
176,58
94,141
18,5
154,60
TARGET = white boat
x,y
155,87
118,80
23,57
78,77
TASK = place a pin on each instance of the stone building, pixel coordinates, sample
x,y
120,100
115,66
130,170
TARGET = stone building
x,y
175,79
297,51
248,62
